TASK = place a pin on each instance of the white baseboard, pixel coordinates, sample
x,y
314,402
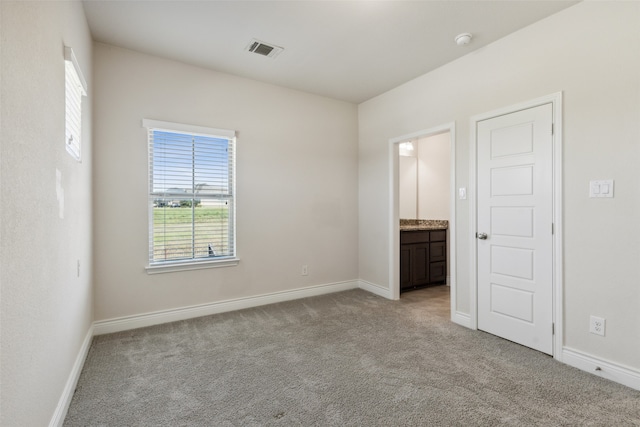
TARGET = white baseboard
x,y
67,394
375,289
165,316
609,370
461,319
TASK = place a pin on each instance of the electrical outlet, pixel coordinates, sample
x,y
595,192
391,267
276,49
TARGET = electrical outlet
x,y
305,270
597,325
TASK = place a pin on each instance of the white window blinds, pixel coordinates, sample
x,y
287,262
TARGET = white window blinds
x,y
75,89
191,193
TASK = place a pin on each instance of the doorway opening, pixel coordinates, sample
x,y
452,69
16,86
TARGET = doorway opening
x,y
422,189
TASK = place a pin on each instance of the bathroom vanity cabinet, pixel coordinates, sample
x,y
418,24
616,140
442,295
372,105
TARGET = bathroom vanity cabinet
x,y
423,258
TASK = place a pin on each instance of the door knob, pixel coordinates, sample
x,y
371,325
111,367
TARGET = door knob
x,y
481,236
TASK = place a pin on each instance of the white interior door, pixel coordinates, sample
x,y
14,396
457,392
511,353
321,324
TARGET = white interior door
x,y
514,225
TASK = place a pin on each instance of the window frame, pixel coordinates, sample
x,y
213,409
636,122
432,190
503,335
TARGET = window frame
x,y
75,87
190,263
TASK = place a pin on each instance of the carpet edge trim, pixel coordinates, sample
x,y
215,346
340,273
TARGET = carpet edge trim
x,y
57,420
126,323
608,370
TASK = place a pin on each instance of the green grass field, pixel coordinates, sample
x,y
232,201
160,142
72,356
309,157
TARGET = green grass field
x,y
173,232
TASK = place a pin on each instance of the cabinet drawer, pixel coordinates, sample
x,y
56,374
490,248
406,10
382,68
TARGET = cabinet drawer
x,y
438,235
414,236
438,271
438,251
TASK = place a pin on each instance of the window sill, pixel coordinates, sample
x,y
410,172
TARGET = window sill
x,y
172,267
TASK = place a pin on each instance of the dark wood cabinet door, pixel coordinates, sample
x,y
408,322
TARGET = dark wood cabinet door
x,y
420,267
405,266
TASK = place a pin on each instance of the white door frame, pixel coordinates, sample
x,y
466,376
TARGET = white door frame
x,y
556,100
394,202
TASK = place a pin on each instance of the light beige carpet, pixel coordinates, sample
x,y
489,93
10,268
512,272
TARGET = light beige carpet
x,y
345,359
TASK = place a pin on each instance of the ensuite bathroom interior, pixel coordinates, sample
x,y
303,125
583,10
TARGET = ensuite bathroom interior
x,y
424,208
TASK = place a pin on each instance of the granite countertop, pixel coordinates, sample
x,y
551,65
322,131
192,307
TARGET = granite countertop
x,y
423,224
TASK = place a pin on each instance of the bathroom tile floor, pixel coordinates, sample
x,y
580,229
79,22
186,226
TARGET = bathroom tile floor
x,y
434,299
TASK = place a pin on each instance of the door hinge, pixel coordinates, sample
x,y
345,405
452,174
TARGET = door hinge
x,y
553,329
553,228
552,128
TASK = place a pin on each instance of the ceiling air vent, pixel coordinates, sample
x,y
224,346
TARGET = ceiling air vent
x,y
264,49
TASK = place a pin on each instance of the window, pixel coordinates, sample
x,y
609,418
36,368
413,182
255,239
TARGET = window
x,y
75,89
191,196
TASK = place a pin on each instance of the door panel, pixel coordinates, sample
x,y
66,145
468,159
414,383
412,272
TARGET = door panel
x,y
512,140
510,261
512,302
512,181
515,210
512,221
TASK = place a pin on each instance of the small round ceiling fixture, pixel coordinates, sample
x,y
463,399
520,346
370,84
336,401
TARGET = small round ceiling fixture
x,y
463,39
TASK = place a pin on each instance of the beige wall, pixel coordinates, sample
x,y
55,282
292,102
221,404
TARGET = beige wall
x,y
423,179
434,174
297,182
46,309
408,187
591,53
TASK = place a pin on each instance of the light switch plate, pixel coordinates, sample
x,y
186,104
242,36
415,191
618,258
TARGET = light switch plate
x,y
601,188
462,193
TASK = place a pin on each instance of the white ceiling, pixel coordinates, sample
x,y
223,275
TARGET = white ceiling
x,y
349,50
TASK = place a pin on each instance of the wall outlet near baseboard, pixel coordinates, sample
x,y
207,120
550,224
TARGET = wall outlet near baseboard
x,y
597,325
305,270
